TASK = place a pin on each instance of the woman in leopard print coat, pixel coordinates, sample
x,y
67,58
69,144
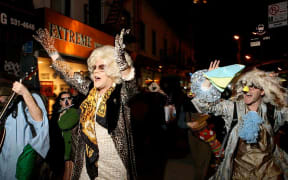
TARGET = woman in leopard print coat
x,y
104,142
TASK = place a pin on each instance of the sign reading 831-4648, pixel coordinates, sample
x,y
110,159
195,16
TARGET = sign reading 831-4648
x,y
24,24
6,20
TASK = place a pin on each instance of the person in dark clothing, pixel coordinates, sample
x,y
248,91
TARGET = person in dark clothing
x,y
148,116
55,156
78,98
177,131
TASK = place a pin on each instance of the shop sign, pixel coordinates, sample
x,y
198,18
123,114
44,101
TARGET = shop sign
x,y
68,35
72,37
277,14
255,43
10,18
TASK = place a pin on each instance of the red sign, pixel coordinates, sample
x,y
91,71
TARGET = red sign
x,y
46,88
72,37
274,9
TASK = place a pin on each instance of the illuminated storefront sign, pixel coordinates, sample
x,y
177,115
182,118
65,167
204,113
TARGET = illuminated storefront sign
x,y
72,37
68,35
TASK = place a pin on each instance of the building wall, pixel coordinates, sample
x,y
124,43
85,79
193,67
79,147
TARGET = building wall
x,y
41,3
178,51
153,22
146,14
77,9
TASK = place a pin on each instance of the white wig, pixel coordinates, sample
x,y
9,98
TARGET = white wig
x,y
275,93
107,54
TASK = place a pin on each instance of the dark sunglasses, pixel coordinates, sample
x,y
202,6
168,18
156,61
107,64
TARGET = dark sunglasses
x,y
100,68
253,86
66,98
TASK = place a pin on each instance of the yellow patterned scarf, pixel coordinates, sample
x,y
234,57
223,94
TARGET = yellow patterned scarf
x,y
87,122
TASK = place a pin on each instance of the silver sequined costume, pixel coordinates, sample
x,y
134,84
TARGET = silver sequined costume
x,y
225,108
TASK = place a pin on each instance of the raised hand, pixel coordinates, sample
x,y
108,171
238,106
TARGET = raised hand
x,y
74,79
44,38
214,65
120,50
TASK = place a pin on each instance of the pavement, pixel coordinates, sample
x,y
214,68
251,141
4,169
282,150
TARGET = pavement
x,y
187,159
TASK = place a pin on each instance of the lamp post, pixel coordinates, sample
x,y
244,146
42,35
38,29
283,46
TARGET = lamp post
x,y
237,38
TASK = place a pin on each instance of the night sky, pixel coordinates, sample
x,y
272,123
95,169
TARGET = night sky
x,y
211,26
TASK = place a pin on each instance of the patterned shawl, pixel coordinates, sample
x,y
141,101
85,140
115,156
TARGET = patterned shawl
x,y
87,125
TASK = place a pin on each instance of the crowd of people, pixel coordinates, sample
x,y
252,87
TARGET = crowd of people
x,y
114,125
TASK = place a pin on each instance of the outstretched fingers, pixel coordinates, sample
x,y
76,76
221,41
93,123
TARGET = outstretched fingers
x,y
120,50
44,38
121,36
214,65
117,40
217,64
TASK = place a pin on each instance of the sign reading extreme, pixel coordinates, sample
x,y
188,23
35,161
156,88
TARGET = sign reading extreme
x,y
72,37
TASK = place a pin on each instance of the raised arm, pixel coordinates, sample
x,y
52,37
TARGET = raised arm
x,y
213,65
127,71
124,62
34,109
207,99
74,79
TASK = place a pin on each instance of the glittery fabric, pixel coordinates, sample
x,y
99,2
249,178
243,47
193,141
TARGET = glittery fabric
x,y
74,79
45,40
225,109
120,50
209,95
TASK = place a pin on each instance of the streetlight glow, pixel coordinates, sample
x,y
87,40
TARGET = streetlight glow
x,y
236,37
248,57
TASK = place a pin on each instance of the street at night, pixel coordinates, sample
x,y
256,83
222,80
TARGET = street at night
x,y
143,89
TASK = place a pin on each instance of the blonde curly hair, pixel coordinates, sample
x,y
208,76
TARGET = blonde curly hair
x,y
107,54
275,93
